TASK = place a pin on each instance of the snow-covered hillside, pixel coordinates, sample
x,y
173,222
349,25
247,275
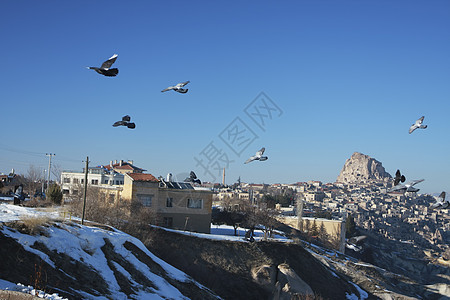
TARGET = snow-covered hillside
x,y
123,266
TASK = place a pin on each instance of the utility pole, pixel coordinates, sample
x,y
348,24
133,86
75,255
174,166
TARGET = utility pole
x,y
85,187
49,165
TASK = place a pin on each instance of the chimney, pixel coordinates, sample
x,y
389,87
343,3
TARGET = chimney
x,y
121,162
169,177
130,162
223,177
115,161
111,163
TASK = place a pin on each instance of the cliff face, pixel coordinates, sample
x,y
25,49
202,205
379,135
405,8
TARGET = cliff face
x,y
360,167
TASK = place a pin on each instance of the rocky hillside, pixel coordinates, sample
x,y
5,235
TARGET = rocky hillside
x,y
360,167
85,262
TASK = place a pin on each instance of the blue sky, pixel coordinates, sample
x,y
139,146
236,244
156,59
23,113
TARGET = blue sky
x,y
346,76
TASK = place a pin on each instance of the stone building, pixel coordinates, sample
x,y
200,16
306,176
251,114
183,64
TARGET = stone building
x,y
177,205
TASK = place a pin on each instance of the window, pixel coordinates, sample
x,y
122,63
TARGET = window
x,y
168,222
195,203
169,202
117,182
94,181
82,181
66,180
65,192
75,180
75,192
106,181
146,200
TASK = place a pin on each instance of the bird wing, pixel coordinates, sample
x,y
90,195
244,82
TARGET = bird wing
x,y
442,195
192,175
250,159
119,123
420,120
413,127
398,174
261,152
414,182
182,84
107,64
168,89
126,118
397,188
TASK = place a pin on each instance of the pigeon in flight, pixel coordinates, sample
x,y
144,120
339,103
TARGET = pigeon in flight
x,y
258,156
408,187
177,88
125,122
193,178
441,202
399,177
354,243
418,124
105,68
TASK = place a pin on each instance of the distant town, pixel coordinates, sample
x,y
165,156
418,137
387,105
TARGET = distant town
x,y
405,218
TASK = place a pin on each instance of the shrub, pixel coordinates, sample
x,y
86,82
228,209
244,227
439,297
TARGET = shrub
x,y
33,225
54,194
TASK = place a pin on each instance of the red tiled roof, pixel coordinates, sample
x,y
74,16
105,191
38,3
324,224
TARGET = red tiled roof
x,y
142,177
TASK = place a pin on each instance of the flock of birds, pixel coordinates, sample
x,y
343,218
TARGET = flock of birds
x,y
441,202
106,70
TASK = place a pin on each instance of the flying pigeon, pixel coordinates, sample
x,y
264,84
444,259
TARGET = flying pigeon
x,y
418,124
105,68
193,178
125,122
352,243
441,202
399,177
408,187
178,88
258,156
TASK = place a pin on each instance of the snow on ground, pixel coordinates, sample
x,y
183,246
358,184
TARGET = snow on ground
x,y
9,213
83,243
226,233
6,285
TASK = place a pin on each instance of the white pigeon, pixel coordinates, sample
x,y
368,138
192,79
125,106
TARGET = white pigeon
x,y
258,156
408,187
352,243
418,124
177,88
441,202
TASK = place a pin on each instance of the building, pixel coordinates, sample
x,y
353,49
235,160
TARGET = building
x,y
109,179
177,205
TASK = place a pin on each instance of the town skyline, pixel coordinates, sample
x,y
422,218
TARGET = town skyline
x,y
310,82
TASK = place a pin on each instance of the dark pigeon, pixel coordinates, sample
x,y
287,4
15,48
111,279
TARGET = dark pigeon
x,y
105,68
193,178
125,122
399,178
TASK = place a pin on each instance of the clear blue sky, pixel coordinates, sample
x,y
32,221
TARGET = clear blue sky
x,y
345,76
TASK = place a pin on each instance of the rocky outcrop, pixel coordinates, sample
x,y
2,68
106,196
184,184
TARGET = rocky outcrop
x,y
281,281
359,168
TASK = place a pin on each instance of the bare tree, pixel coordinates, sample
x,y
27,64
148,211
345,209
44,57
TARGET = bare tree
x,y
56,170
34,179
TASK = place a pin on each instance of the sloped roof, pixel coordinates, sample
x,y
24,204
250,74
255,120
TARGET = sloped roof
x,y
125,166
143,177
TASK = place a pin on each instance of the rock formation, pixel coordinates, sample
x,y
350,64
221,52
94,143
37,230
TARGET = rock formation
x,y
359,168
